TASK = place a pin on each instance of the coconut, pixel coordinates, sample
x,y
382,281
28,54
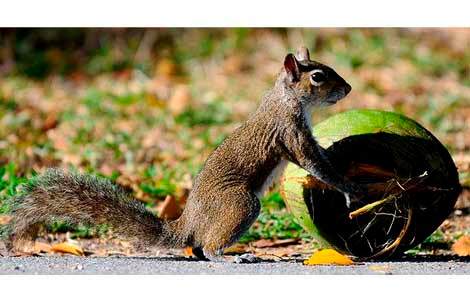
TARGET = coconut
x,y
411,180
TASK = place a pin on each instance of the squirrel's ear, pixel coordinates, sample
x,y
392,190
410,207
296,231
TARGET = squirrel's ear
x,y
303,54
292,68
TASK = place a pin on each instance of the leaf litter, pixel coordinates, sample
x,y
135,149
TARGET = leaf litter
x,y
122,122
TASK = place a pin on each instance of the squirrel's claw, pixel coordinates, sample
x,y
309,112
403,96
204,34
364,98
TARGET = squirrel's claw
x,y
348,200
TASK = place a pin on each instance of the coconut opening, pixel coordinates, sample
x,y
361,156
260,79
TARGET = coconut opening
x,y
414,180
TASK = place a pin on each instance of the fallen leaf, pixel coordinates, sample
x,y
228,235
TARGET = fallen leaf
x,y
42,247
278,252
154,101
273,243
188,251
328,257
461,247
180,100
170,209
25,254
233,64
100,252
5,219
50,121
57,139
236,249
152,137
165,67
68,248
263,243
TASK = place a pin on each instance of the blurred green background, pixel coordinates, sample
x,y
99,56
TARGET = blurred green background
x,y
145,107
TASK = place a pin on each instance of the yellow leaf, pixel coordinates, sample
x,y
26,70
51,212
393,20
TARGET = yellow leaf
x,y
461,247
68,248
188,251
328,257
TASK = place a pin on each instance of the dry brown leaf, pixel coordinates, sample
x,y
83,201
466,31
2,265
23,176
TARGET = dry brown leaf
x,y
328,257
42,247
5,219
236,249
273,243
152,137
263,243
180,100
278,252
102,252
165,67
233,65
461,247
154,101
50,121
58,140
170,209
68,248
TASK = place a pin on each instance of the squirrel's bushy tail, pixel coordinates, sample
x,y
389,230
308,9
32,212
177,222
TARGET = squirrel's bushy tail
x,y
89,200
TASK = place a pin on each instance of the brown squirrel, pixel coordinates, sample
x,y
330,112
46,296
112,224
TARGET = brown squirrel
x,y
224,200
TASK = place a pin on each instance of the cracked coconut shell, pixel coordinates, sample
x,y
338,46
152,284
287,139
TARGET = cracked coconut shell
x,y
412,185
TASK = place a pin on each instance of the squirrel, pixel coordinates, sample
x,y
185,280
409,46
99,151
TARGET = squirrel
x,y
224,200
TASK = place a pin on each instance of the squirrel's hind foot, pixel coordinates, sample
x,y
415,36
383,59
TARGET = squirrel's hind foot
x,y
214,256
204,255
199,253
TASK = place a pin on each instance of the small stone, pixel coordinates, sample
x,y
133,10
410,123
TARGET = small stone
x,y
246,258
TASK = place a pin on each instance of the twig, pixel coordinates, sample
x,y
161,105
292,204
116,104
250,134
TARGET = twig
x,y
370,206
414,184
397,241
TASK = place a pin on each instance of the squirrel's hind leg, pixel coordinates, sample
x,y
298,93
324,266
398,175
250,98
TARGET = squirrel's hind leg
x,y
239,215
22,239
214,256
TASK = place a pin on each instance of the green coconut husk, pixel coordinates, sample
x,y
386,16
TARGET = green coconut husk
x,y
411,179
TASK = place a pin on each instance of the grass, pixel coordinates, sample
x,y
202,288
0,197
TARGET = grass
x,y
105,106
274,222
9,182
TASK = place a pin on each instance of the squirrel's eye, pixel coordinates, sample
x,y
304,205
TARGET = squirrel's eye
x,y
317,77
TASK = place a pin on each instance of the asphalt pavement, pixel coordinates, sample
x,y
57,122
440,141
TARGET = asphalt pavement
x,y
186,265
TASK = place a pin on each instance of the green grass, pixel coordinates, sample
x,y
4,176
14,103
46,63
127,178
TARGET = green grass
x,y
274,222
9,182
213,113
104,118
79,231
